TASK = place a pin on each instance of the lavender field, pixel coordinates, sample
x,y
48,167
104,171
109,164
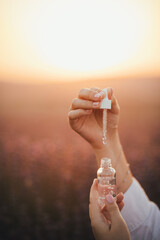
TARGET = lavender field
x,y
46,169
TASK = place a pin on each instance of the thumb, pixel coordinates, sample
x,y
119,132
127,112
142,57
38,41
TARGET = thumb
x,y
112,208
118,225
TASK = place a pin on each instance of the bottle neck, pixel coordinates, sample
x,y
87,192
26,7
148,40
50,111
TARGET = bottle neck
x,y
106,165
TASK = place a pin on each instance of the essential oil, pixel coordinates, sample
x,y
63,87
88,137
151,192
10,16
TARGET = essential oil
x,y
104,134
106,180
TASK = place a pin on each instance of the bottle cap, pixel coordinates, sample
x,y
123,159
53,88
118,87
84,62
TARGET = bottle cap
x,y
105,103
105,162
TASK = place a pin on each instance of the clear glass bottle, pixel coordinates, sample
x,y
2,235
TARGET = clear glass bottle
x,y
106,176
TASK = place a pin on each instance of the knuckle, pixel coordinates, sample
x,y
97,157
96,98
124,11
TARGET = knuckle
x,y
114,208
95,89
91,94
74,103
81,92
69,115
89,104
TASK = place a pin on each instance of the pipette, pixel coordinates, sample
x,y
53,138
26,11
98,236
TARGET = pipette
x,y
105,104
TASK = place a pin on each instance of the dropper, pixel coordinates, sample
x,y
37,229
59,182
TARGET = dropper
x,y
105,104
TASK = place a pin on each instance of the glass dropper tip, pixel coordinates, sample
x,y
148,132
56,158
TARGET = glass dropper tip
x,y
104,137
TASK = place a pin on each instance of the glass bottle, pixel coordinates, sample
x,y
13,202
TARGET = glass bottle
x,y
106,176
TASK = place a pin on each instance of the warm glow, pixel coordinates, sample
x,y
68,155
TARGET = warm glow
x,y
49,39
84,37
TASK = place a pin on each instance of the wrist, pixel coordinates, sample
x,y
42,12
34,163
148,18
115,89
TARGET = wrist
x,y
113,150
110,150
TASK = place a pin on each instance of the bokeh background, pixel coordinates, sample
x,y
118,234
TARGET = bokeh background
x,y
49,50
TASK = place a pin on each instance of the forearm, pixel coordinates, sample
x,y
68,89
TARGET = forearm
x,y
113,150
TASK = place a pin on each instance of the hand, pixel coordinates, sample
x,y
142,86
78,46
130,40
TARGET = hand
x,y
85,116
99,220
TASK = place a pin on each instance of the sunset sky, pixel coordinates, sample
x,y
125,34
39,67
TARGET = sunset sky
x,y
70,39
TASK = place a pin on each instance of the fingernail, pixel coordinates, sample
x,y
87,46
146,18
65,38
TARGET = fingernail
x,y
102,93
110,93
109,198
95,104
89,110
99,95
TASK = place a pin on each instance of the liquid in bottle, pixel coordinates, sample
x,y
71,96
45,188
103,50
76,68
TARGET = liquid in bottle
x,y
106,176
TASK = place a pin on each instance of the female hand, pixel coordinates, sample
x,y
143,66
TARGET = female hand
x,y
85,116
99,218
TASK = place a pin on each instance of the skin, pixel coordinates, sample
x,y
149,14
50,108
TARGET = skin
x,y
99,220
85,117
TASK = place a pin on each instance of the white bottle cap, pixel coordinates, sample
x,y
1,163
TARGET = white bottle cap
x,y
105,103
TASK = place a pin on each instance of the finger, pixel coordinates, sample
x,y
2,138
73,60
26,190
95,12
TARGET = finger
x,y
84,104
114,105
94,192
110,93
94,208
112,208
117,222
119,202
75,114
120,197
106,213
91,94
121,205
96,89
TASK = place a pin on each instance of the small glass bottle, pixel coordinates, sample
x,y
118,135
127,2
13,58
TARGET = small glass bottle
x,y
106,176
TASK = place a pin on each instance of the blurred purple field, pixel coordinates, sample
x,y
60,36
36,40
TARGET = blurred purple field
x,y
46,169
